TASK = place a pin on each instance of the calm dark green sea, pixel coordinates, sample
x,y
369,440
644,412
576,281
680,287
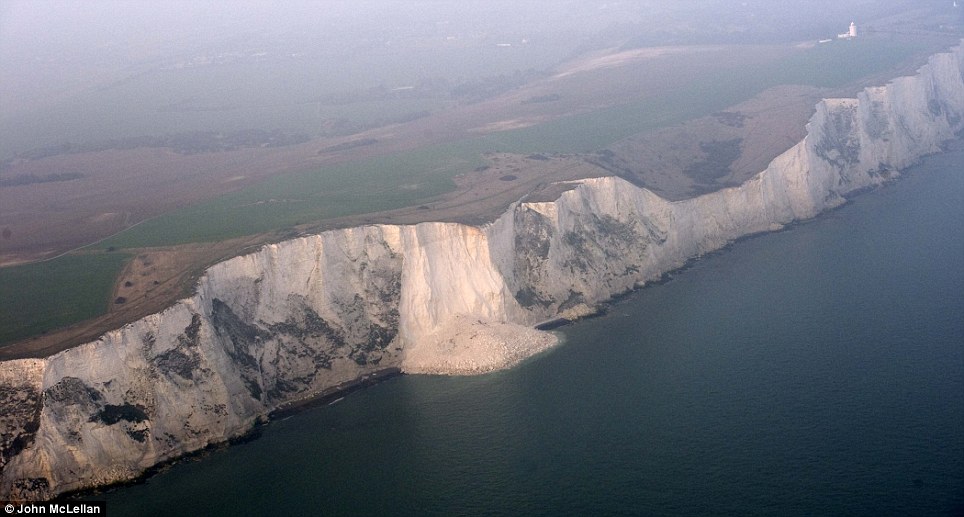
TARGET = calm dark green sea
x,y
815,371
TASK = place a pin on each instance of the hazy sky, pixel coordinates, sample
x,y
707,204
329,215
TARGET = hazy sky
x,y
144,28
78,41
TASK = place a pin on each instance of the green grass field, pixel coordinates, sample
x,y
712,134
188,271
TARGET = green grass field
x,y
839,63
830,65
357,187
41,297
38,297
405,179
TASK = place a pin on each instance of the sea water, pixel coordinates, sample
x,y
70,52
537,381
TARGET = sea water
x,y
814,371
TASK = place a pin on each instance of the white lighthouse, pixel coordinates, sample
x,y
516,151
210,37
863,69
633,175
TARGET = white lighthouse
x,y
850,34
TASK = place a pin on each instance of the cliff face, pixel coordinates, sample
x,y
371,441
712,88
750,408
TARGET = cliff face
x,y
292,319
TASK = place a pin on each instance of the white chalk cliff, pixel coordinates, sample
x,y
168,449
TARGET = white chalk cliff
x,y
286,322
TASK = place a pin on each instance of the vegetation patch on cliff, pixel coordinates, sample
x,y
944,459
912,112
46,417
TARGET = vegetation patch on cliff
x,y
838,144
533,239
311,325
20,420
111,414
71,391
184,359
379,338
528,297
239,337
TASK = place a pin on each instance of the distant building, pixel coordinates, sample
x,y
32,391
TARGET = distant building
x,y
850,34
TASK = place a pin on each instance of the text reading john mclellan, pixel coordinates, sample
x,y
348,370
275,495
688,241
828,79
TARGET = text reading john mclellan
x,y
56,508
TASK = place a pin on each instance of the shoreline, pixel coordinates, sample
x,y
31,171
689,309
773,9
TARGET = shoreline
x,y
336,393
326,397
603,307
333,394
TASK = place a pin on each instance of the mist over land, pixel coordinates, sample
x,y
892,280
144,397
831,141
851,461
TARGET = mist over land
x,y
88,72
